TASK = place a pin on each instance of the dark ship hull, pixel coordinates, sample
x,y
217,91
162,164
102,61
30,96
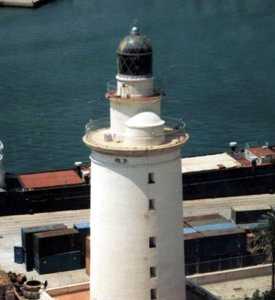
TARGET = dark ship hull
x,y
17,199
229,182
209,176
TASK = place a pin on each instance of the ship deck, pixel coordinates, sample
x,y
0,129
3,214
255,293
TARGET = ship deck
x,y
209,162
50,179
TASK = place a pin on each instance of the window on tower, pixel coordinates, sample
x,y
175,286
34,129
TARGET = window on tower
x,y
152,204
152,242
153,272
153,294
151,178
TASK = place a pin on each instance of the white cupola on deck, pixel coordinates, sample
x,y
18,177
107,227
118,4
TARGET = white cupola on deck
x,y
146,129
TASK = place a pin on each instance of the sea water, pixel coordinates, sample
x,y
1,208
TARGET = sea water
x,y
215,59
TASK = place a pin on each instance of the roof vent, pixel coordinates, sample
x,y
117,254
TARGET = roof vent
x,y
78,163
266,145
233,144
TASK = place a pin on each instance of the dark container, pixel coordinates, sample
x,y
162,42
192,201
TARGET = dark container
x,y
252,260
251,214
192,246
209,266
247,181
222,243
5,206
27,234
191,268
19,255
217,246
231,262
84,229
54,242
58,263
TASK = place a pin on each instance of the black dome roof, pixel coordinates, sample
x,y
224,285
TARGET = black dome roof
x,y
135,43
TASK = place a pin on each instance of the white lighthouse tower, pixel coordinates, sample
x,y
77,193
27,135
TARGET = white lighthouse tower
x,y
136,188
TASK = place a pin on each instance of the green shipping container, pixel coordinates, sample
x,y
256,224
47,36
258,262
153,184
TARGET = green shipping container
x,y
58,263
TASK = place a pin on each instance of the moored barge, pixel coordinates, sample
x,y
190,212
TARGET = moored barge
x,y
54,190
241,171
234,173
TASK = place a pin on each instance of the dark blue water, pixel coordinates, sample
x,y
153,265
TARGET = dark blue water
x,y
215,58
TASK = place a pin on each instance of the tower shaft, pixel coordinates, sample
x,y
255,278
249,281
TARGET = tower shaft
x,y
130,210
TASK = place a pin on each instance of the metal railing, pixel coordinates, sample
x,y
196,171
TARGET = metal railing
x,y
171,123
111,87
173,128
172,134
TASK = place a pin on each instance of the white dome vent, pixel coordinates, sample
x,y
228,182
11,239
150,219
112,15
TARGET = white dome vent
x,y
145,119
145,129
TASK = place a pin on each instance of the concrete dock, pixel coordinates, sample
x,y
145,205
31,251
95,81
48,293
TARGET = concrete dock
x,y
10,227
10,236
223,205
22,3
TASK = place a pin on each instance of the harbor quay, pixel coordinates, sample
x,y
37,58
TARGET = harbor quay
x,y
10,228
65,282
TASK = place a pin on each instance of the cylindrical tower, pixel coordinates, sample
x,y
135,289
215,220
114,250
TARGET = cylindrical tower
x,y
136,190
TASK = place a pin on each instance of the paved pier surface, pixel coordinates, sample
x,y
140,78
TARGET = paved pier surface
x,y
22,3
223,205
10,231
10,236
238,289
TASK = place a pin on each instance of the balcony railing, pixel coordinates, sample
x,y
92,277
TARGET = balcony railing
x,y
171,126
111,88
99,132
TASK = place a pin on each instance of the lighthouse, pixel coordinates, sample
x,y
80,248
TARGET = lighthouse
x,y
137,248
